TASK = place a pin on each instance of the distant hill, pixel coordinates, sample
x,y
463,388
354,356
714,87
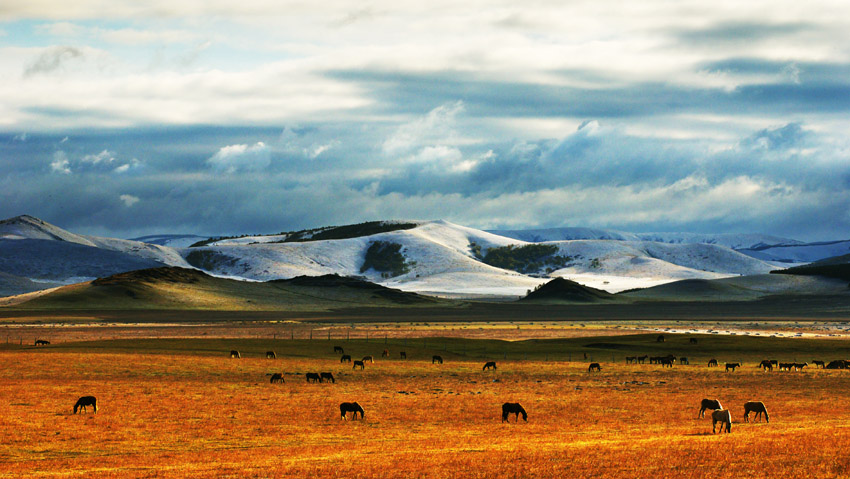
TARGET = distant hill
x,y
741,288
171,288
563,290
836,267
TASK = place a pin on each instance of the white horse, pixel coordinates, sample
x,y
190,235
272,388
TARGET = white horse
x,y
724,417
756,407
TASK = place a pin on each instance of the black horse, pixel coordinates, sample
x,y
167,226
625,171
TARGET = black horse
x,y
403,355
594,367
271,355
513,408
386,353
358,363
338,349
235,354
313,378
437,359
712,362
488,365
328,376
660,338
732,366
369,358
352,407
345,358
41,342
277,378
85,401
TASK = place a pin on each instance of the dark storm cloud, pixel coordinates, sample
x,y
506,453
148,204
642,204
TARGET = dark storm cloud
x,y
53,59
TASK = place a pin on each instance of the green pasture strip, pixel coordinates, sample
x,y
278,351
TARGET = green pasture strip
x,y
603,349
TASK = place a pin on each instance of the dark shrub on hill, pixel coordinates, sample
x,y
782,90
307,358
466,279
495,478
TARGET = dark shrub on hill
x,y
524,259
386,258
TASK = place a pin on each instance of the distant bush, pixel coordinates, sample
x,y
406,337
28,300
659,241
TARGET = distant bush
x,y
525,259
386,258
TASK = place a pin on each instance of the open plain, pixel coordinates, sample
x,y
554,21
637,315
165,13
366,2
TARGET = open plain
x,y
180,407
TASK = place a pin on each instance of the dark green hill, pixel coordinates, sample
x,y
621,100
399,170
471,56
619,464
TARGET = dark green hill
x,y
564,290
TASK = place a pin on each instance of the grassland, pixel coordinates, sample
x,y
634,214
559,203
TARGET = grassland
x,y
181,408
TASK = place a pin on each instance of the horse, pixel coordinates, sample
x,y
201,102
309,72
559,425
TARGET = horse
x,y
631,359
756,407
368,358
765,365
488,365
594,367
724,417
352,407
660,338
513,408
358,363
693,340
235,354
785,366
799,367
774,362
313,377
818,363
666,362
837,364
276,378
338,349
437,359
271,355
732,366
641,359
41,342
712,363
85,401
708,404
403,355
328,376
345,358
683,361
386,353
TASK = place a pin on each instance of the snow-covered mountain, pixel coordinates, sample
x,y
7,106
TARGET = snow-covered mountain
x,y
440,258
800,253
174,241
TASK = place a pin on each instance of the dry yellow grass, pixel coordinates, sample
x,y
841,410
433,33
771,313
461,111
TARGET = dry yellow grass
x,y
165,415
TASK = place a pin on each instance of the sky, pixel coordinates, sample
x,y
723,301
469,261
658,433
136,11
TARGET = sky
x,y
124,118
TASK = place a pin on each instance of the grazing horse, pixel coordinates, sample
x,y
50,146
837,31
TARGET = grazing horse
x,y
799,367
732,366
277,378
85,401
368,358
837,364
41,342
359,363
712,363
345,358
403,355
756,407
437,359
708,404
818,363
641,359
235,354
328,376
313,378
660,338
488,365
724,417
352,407
693,341
683,361
271,355
386,353
513,408
631,359
594,367
765,365
338,349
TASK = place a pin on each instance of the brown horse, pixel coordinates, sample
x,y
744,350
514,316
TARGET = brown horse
x,y
85,401
489,365
329,377
594,367
693,340
351,407
818,363
338,349
513,408
756,407
403,355
41,342
724,417
660,338
732,366
368,358
708,404
313,378
766,365
345,358
386,353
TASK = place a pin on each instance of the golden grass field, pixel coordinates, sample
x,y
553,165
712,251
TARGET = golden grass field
x,y
197,413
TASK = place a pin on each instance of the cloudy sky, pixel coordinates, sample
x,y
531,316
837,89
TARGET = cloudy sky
x,y
124,118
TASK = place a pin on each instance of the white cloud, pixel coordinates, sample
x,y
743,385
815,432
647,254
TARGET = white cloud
x,y
437,127
233,158
60,163
129,200
104,156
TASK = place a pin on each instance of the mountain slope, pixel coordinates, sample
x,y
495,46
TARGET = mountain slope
x,y
180,288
